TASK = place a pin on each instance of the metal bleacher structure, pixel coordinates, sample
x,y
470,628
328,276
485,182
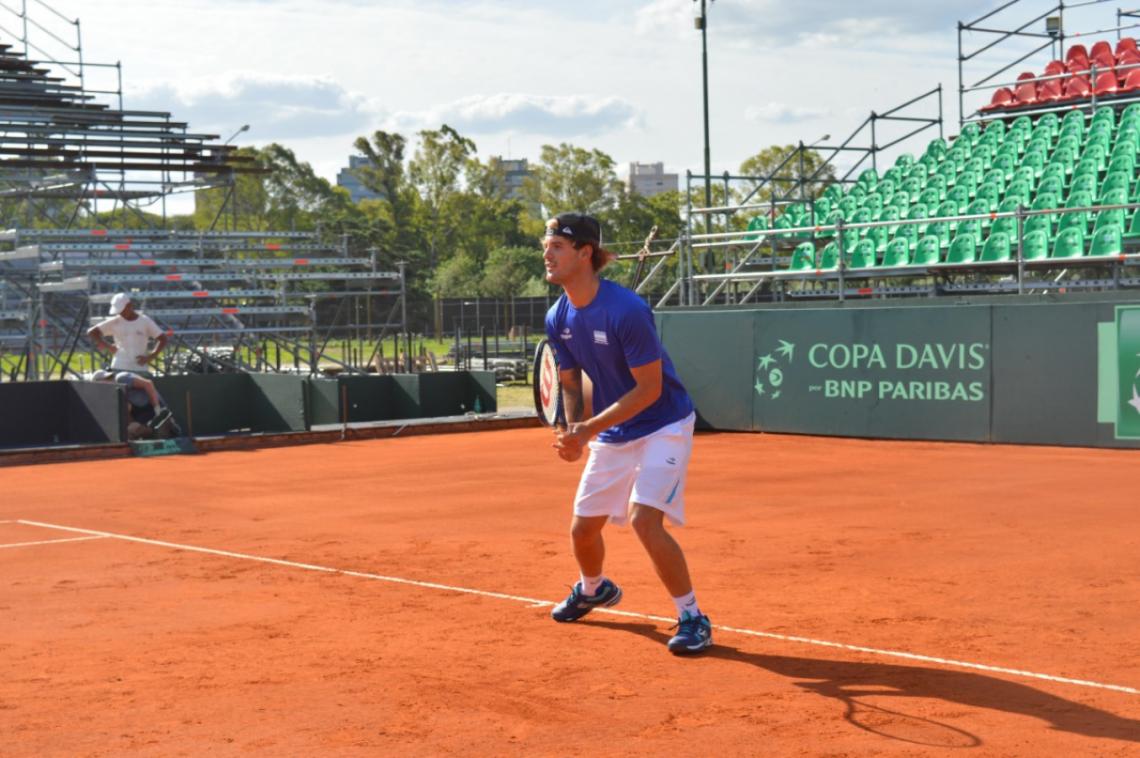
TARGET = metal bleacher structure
x,y
1036,193
230,300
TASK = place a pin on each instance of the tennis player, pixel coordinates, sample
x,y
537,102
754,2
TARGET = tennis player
x,y
639,431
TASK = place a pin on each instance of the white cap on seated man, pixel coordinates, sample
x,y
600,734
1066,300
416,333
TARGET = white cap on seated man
x,y
131,331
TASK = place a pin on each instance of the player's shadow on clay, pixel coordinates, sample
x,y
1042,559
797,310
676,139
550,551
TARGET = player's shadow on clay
x,y
856,683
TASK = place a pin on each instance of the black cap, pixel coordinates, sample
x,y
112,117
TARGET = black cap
x,y
575,226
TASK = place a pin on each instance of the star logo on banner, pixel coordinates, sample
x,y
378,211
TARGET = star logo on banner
x,y
1135,401
759,388
766,361
786,349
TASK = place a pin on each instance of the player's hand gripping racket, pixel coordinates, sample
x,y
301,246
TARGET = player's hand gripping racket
x,y
548,386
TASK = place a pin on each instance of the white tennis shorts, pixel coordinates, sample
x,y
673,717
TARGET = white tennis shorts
x,y
650,471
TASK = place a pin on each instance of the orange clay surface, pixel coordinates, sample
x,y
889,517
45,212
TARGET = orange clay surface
x,y
1016,557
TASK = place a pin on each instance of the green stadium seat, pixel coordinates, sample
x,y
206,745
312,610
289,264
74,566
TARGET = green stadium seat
x,y
862,216
1046,200
1076,220
1050,121
1117,180
939,230
1006,163
833,192
936,148
927,252
1070,243
890,213
832,219
872,202
1112,217
1006,224
900,200
913,185
1083,184
940,182
905,160
1108,240
895,173
1123,163
1096,152
1050,185
848,206
1134,226
803,257
1035,162
1018,190
1113,197
991,193
930,197
756,225
979,207
1040,223
1073,117
976,166
868,179
959,195
877,236
1035,246
829,257
897,252
857,191
970,226
964,248
1055,174
783,221
1068,142
820,208
996,176
971,131
997,247
908,233
1079,199
1065,156
1105,114
864,254
1024,174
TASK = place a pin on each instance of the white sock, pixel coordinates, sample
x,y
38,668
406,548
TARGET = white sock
x,y
687,603
590,584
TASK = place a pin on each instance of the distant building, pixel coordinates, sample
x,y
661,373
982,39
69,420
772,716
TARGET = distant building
x,y
515,171
648,179
347,179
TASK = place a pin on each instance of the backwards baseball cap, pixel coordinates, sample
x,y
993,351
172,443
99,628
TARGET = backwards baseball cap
x,y
579,227
118,303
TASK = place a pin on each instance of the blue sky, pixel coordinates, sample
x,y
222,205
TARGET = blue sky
x,y
619,75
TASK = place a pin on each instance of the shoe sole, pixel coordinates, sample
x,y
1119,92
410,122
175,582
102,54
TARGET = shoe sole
x,y
687,650
608,604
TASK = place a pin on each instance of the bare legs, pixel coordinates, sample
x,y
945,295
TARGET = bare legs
x,y
648,523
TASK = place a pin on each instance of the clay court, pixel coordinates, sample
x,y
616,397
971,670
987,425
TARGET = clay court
x,y
869,597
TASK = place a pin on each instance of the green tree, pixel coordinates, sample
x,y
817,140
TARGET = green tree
x,y
509,269
569,178
384,174
458,276
811,171
435,171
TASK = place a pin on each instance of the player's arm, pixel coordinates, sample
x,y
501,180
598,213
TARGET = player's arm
x,y
99,340
646,389
159,343
573,399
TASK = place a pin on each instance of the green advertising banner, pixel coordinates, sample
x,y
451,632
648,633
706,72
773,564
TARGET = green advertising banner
x,y
920,373
1128,357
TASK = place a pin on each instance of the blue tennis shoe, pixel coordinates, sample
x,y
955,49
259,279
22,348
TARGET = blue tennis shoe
x,y
578,604
694,634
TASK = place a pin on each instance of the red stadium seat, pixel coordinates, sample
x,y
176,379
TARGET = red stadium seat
x,y
1077,88
1078,68
1125,43
1026,92
1104,60
1077,53
1002,98
1131,81
1105,84
1100,50
1050,91
1053,68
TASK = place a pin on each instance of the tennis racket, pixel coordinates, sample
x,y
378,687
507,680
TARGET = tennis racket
x,y
548,386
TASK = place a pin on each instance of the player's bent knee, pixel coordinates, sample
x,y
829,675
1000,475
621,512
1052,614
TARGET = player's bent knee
x,y
584,528
646,521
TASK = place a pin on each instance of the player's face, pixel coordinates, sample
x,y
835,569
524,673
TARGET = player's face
x,y
563,262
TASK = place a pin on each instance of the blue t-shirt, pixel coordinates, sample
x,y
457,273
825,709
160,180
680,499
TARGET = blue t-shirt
x,y
605,339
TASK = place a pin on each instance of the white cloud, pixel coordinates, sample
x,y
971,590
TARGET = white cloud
x,y
515,112
277,107
783,113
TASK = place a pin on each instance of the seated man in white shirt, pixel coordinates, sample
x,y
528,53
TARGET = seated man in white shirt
x,y
132,332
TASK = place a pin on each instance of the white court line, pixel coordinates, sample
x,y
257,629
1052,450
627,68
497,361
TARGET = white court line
x,y
52,542
535,602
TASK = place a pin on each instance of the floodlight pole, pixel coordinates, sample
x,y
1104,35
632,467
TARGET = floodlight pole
x,y
702,24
